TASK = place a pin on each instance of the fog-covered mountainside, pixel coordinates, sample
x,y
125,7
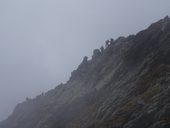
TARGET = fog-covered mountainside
x,y
124,85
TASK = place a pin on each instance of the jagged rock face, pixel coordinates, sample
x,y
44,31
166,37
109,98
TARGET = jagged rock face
x,y
125,86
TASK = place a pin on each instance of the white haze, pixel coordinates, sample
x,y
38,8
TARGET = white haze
x,y
42,41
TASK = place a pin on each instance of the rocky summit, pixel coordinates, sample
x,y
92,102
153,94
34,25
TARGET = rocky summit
x,y
126,84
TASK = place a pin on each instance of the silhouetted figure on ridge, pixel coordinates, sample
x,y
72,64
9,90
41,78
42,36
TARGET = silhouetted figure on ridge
x,y
111,41
107,43
85,59
102,49
96,53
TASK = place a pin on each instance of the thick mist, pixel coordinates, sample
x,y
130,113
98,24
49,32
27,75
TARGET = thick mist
x,y
42,41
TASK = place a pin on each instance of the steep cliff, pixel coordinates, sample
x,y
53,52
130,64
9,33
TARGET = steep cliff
x,y
125,85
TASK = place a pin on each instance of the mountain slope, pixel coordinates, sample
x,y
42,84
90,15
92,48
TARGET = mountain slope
x,y
126,85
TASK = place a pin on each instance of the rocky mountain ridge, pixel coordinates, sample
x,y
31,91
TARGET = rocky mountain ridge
x,y
125,85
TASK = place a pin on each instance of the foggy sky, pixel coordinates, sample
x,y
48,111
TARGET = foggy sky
x,y
42,41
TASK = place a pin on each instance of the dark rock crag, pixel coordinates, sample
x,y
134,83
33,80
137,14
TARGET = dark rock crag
x,y
125,85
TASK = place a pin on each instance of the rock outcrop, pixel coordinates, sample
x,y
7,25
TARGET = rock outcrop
x,y
125,85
